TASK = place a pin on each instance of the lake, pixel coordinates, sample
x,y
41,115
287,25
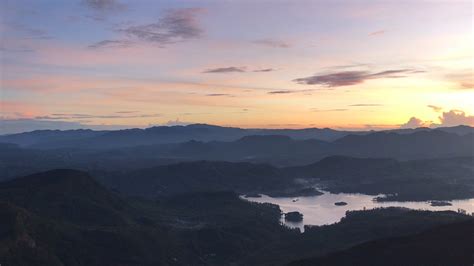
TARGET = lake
x,y
320,210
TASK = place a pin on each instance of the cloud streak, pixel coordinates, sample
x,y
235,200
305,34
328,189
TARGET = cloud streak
x,y
13,126
264,70
111,44
104,5
29,32
272,43
465,79
177,25
60,116
225,70
435,108
348,78
287,91
366,104
218,94
329,110
379,32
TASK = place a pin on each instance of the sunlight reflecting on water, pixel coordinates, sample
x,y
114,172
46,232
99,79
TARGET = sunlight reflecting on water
x,y
320,210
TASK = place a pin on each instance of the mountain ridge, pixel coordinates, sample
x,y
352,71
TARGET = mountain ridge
x,y
174,134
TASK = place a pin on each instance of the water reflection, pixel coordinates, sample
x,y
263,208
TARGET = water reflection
x,y
321,210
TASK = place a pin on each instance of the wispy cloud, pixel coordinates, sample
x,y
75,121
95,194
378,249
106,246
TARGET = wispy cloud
x,y
329,110
60,116
104,5
218,94
16,50
176,25
287,91
366,104
464,78
111,44
225,70
236,69
12,126
126,112
435,108
29,32
264,70
347,78
379,32
273,43
353,65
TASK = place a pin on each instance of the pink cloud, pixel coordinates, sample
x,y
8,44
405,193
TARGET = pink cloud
x,y
15,110
413,122
455,118
379,32
447,119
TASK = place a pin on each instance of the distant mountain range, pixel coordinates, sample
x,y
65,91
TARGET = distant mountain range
x,y
50,139
136,149
421,165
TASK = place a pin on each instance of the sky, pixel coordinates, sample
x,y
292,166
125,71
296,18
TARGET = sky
x,y
269,64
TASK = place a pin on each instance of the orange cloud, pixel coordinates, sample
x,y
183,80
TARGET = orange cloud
x,y
14,110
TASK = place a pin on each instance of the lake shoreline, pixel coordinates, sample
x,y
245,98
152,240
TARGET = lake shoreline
x,y
321,209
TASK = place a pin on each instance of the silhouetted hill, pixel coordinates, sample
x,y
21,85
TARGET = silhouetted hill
x,y
154,170
207,228
65,194
138,148
30,239
203,176
341,167
451,244
417,145
448,178
89,139
47,139
431,179
460,130
170,231
356,228
50,138
284,151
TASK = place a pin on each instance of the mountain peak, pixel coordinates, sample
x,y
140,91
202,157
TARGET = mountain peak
x,y
67,194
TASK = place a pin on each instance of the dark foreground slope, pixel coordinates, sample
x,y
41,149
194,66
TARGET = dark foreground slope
x,y
64,217
451,244
68,195
202,176
356,228
29,239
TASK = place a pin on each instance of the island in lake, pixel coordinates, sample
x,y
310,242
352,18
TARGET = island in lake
x,y
294,216
437,203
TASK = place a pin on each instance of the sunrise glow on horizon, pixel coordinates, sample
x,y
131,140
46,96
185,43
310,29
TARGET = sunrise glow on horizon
x,y
252,64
